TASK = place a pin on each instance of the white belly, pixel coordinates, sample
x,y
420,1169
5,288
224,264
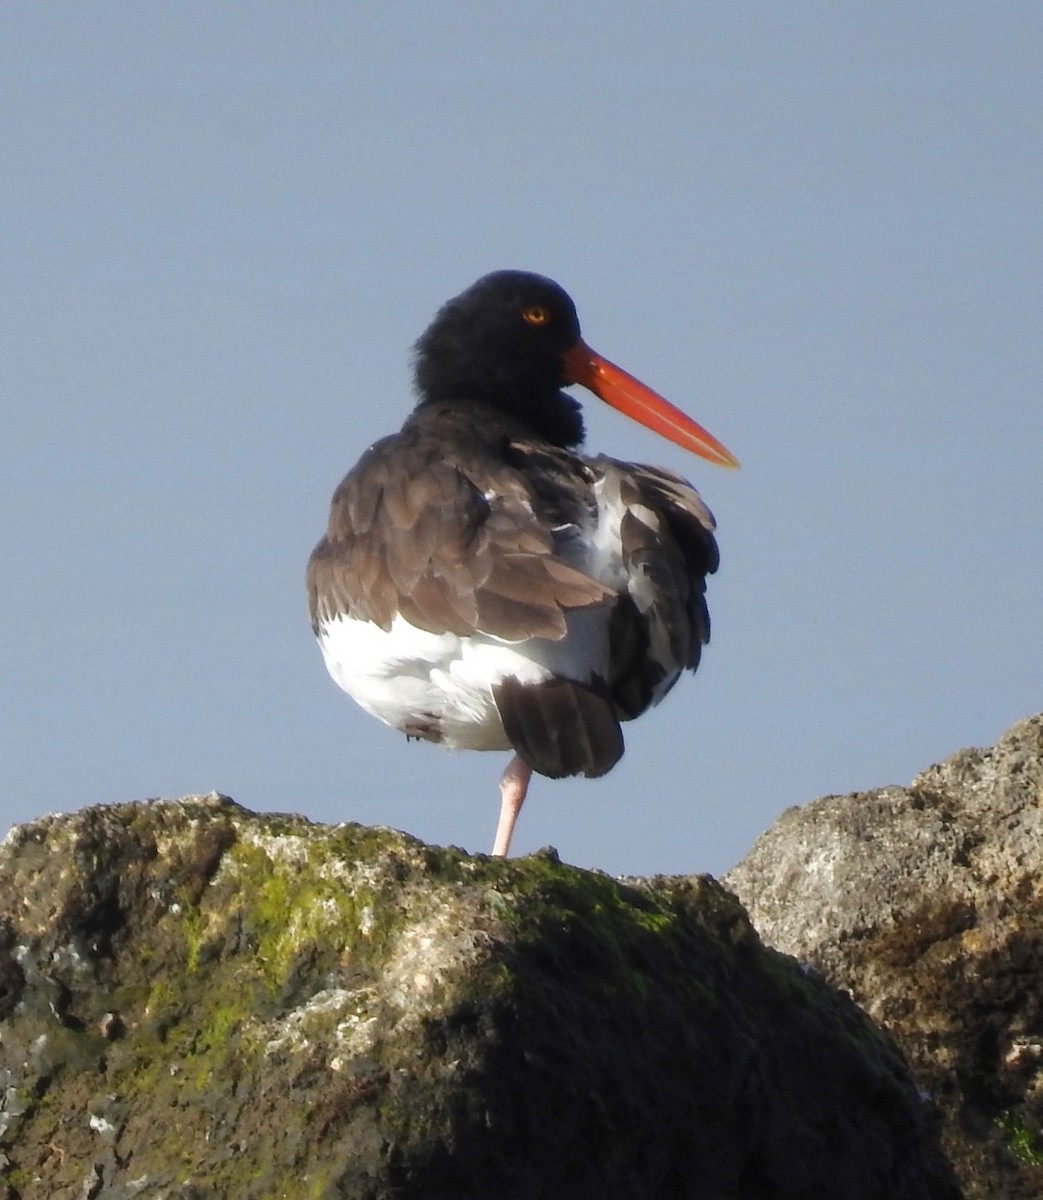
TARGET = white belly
x,y
440,686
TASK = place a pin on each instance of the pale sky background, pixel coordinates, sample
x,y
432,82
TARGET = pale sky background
x,y
814,226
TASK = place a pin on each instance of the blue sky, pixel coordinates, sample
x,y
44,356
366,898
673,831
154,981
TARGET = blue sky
x,y
816,227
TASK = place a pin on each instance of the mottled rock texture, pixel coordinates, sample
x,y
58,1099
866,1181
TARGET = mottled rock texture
x,y
926,903
197,1001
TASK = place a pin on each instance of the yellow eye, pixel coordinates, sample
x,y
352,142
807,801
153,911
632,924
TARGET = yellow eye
x,y
536,314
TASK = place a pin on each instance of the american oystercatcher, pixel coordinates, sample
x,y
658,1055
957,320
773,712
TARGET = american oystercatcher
x,y
484,585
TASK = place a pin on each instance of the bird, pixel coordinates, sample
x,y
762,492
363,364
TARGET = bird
x,y
485,585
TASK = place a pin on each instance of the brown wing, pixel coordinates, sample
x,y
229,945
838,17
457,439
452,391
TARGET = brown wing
x,y
561,727
454,547
668,549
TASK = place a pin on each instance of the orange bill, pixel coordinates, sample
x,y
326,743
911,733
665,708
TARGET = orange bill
x,y
629,395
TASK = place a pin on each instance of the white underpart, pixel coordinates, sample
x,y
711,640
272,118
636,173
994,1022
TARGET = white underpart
x,y
441,685
410,678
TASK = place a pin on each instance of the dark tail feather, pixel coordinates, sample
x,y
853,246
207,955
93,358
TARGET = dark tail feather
x,y
560,727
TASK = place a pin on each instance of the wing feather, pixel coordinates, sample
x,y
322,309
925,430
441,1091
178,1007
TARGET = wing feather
x,y
667,548
413,534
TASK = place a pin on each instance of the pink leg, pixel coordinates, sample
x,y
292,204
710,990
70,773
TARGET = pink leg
x,y
513,786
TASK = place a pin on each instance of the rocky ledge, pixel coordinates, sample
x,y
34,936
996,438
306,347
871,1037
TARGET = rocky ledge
x,y
198,1001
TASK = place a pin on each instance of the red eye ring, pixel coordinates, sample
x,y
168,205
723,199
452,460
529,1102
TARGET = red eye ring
x,y
536,314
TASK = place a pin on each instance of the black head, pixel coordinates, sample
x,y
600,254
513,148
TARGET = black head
x,y
501,342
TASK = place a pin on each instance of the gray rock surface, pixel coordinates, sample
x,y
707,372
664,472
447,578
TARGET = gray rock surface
x,y
198,1001
926,904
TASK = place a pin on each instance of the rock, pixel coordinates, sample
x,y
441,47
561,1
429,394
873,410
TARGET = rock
x,y
199,1001
926,903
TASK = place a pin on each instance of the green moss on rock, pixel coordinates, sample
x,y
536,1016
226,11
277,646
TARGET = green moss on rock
x,y
1021,1136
